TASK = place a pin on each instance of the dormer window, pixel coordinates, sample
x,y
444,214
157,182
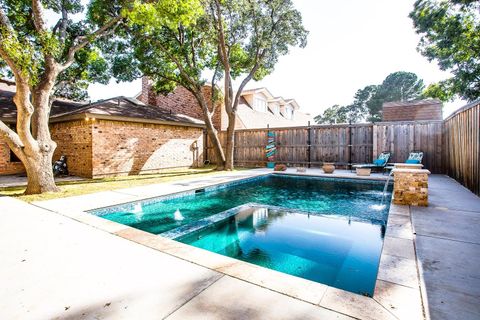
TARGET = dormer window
x,y
275,109
289,112
260,104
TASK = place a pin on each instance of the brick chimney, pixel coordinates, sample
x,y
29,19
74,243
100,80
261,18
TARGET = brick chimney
x,y
179,101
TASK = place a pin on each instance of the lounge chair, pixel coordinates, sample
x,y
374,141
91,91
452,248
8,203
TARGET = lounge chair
x,y
378,164
414,157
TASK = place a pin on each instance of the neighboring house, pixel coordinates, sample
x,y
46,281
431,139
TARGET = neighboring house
x,y
258,108
117,136
428,109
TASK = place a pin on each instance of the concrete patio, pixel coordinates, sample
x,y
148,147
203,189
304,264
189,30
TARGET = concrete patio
x,y
448,248
66,266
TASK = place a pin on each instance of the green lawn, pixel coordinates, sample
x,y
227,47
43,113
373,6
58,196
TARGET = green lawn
x,y
73,188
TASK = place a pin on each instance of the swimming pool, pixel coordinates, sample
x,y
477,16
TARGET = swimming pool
x,y
323,229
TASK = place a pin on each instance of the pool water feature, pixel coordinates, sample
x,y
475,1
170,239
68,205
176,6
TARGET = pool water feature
x,y
327,230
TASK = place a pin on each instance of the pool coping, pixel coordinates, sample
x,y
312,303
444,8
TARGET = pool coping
x,y
397,291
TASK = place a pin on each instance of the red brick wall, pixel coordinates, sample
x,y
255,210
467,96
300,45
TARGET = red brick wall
x,y
123,148
7,167
179,101
405,112
109,148
74,139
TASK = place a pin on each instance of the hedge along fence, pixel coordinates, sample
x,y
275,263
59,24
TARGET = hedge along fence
x,y
461,136
342,144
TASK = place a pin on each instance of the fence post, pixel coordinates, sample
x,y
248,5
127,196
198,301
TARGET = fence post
x,y
349,145
374,141
309,145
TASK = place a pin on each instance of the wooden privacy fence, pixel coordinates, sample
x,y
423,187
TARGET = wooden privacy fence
x,y
461,150
342,144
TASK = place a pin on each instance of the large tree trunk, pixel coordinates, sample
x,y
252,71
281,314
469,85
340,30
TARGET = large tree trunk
x,y
39,172
217,147
34,150
211,131
229,159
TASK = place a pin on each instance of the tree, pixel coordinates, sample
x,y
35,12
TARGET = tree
x,y
250,37
171,55
37,56
397,86
44,59
368,102
450,34
332,115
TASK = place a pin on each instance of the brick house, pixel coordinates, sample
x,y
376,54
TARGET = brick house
x,y
428,109
117,136
258,108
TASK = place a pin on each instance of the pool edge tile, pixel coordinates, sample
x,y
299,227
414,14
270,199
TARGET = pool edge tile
x,y
398,270
403,302
289,285
399,247
354,305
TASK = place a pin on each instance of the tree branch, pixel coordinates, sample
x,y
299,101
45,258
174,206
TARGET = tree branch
x,y
38,19
183,73
12,138
5,23
249,77
84,40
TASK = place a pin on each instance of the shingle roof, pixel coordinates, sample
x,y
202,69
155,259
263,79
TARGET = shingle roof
x,y
129,108
119,107
8,111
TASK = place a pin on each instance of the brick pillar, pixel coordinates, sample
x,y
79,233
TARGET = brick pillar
x,y
410,187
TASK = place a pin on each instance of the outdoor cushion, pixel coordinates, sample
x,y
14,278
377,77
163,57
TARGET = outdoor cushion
x,y
415,156
384,157
414,161
379,162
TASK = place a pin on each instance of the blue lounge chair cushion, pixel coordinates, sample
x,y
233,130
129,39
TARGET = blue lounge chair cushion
x,y
413,161
379,162
415,157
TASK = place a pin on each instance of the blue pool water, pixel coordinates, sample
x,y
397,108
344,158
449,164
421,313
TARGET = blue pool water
x,y
322,229
337,252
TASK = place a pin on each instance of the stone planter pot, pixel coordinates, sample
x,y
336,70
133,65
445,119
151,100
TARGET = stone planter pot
x,y
363,171
328,167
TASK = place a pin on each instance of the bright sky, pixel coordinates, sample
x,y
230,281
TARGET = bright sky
x,y
351,44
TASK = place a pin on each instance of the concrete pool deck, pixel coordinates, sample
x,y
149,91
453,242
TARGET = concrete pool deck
x,y
66,266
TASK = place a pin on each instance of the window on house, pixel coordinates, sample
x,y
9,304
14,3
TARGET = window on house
x,y
260,104
289,112
275,109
